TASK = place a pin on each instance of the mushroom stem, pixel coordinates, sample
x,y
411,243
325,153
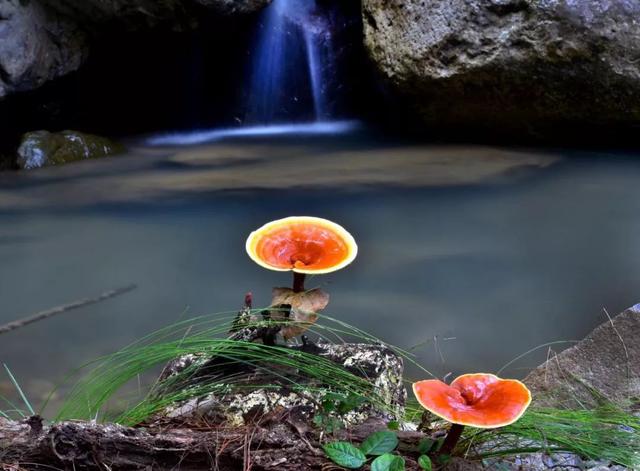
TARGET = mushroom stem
x,y
298,282
452,439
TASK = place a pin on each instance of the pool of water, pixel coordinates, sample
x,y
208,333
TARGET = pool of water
x,y
468,255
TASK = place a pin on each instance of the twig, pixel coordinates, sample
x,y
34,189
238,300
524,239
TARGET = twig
x,y
64,308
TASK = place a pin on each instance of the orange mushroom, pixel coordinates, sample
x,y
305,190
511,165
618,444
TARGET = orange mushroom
x,y
302,244
478,400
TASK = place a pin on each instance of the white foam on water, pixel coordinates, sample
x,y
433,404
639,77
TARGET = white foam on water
x,y
212,135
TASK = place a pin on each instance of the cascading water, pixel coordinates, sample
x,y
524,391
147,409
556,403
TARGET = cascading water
x,y
291,70
293,37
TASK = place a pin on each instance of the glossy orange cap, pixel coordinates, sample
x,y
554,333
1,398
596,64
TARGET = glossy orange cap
x,y
302,244
478,400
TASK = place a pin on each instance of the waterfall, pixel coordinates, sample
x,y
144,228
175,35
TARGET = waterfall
x,y
293,36
291,69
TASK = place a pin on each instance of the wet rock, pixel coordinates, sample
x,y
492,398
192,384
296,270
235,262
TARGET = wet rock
x,y
505,65
36,45
43,148
377,363
606,363
41,40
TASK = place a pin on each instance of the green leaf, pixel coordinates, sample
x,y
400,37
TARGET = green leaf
x,y
388,462
425,445
395,425
379,443
425,462
328,406
350,403
344,454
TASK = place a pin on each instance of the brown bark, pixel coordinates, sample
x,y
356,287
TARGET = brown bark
x,y
279,445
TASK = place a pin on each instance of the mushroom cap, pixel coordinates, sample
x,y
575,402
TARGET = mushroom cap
x,y
479,400
302,244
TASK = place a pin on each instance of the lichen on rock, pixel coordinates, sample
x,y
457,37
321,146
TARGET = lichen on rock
x,y
43,148
376,363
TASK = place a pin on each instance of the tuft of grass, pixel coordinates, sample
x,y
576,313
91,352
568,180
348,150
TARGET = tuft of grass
x,y
7,413
104,379
606,432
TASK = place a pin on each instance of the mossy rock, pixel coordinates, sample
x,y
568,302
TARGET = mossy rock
x,y
44,148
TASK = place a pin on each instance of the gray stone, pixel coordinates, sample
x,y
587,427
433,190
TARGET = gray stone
x,y
36,45
43,148
510,64
377,363
606,363
41,40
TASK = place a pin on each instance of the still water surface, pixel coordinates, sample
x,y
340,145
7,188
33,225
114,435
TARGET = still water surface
x,y
472,268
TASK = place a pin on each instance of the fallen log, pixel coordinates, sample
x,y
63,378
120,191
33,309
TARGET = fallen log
x,y
83,445
247,428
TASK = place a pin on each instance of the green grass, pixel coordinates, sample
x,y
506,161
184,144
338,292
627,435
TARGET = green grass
x,y
111,389
102,380
14,409
605,433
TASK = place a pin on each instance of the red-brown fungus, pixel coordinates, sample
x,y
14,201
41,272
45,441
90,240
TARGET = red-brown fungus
x,y
478,400
302,244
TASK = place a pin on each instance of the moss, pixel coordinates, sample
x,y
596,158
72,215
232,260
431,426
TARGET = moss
x,y
43,148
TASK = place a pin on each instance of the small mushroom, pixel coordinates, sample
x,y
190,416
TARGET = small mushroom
x,y
303,245
478,400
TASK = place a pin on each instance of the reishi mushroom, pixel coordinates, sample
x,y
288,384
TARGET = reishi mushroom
x,y
478,400
302,244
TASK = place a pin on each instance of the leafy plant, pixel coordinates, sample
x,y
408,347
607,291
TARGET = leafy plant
x,y
425,462
332,404
388,462
426,445
379,444
345,454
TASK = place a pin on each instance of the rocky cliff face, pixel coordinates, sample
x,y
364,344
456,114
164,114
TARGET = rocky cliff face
x,y
36,45
41,40
506,64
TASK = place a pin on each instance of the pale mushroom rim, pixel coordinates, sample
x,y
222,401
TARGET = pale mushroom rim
x,y
350,242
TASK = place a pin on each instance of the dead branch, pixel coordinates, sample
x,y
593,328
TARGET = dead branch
x,y
42,315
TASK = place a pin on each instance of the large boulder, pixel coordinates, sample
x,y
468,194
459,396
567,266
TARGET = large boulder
x,y
510,64
43,148
605,365
381,366
36,45
41,40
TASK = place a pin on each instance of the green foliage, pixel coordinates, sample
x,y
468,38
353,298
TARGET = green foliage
x,y
393,425
388,462
379,443
93,395
603,433
426,445
425,462
345,454
14,409
332,404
